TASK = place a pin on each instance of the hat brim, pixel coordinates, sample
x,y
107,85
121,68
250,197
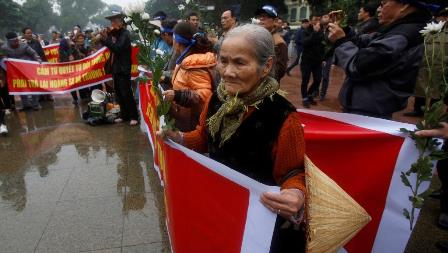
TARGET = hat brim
x,y
157,23
116,16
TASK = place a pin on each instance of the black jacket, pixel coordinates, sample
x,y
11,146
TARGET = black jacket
x,y
381,68
120,51
368,26
34,44
313,46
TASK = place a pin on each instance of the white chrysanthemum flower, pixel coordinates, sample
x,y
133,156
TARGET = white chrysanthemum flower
x,y
157,32
136,7
255,21
160,52
433,28
127,20
187,1
145,16
181,7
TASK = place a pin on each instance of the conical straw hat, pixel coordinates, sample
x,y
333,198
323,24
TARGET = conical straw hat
x,y
333,217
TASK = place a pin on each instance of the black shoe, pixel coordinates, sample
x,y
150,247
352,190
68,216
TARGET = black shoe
x,y
443,221
413,114
442,245
322,98
312,102
436,194
306,104
25,108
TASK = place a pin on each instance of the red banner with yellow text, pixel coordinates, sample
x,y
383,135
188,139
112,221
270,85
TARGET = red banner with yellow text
x,y
29,77
52,53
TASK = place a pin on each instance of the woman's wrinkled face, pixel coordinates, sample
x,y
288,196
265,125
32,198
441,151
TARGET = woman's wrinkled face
x,y
239,68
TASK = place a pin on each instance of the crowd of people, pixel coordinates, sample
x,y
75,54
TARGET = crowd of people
x,y
225,91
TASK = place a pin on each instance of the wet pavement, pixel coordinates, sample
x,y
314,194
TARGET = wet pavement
x,y
69,187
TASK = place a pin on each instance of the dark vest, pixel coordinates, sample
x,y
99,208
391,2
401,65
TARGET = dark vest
x,y
249,150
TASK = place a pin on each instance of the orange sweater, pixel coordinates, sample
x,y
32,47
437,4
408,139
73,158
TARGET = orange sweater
x,y
288,152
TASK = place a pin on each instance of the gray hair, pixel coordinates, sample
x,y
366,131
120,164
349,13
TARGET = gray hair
x,y
259,37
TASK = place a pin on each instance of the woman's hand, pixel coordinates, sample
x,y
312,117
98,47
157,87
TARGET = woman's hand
x,y
438,132
168,95
285,204
336,32
175,136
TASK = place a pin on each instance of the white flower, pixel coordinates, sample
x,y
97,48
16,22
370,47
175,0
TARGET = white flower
x,y
255,21
162,122
141,36
181,7
127,20
157,32
134,27
160,52
433,28
136,7
145,16
187,1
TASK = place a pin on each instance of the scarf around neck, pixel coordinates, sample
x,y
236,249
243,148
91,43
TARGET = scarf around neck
x,y
230,115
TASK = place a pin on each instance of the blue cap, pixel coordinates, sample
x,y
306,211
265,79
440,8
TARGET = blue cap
x,y
423,5
267,9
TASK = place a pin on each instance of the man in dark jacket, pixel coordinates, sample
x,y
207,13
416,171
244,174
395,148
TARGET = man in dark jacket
x,y
382,67
34,44
118,40
298,40
368,21
268,17
312,57
17,50
27,34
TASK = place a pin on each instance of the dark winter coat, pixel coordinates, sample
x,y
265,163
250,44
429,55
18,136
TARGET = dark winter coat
x,y
121,49
313,46
382,67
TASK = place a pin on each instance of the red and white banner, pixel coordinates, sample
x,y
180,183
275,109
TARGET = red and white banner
x,y
30,77
52,53
210,207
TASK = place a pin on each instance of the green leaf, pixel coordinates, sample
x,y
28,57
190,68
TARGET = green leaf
x,y
418,202
425,194
438,155
406,214
405,131
405,179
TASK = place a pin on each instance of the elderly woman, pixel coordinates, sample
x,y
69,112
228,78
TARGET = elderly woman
x,y
382,67
252,129
192,78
